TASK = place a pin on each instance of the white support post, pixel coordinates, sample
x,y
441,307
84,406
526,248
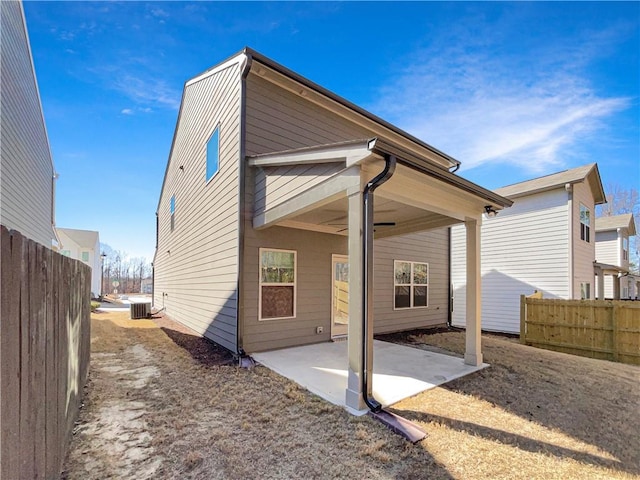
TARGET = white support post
x,y
354,394
600,279
473,351
616,287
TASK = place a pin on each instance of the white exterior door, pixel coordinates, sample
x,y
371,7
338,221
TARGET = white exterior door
x,y
339,295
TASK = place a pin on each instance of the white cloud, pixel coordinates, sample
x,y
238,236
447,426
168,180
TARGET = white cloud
x,y
158,12
126,111
480,108
148,91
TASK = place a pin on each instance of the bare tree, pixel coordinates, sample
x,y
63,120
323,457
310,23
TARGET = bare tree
x,y
621,200
128,272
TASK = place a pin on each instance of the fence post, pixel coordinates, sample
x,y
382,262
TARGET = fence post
x,y
614,329
523,322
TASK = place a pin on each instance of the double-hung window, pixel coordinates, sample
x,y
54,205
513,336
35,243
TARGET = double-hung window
x,y
625,248
585,223
277,284
411,284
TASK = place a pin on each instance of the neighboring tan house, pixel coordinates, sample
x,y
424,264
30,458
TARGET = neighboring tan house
x,y
84,245
27,174
263,238
613,280
544,242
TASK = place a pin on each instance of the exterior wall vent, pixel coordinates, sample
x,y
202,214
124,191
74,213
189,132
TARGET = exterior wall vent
x,y
140,310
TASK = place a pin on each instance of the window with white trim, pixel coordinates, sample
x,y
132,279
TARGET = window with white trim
x,y
213,154
66,253
585,291
172,211
85,256
585,223
277,295
410,284
625,248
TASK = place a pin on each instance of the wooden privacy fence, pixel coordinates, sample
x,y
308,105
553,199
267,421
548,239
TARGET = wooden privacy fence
x,y
44,354
605,329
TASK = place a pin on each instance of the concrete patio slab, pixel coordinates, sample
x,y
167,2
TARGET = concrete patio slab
x,y
399,371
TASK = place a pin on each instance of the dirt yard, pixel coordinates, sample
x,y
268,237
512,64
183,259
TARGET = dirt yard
x,y
163,403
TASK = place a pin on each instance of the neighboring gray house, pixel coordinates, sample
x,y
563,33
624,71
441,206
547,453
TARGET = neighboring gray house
x,y
83,245
27,175
544,242
613,280
262,235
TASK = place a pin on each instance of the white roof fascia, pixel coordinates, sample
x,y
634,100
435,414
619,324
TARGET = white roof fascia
x,y
240,58
351,154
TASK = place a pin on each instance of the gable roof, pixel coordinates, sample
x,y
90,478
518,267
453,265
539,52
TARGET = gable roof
x,y
556,180
84,238
614,222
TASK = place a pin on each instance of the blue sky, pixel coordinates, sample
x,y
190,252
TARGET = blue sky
x,y
513,90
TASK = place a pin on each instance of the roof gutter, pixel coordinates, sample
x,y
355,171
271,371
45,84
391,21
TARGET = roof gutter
x,y
383,148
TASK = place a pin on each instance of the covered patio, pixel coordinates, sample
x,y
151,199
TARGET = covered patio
x,y
330,189
399,371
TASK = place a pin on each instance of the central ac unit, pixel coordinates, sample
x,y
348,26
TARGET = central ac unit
x,y
140,310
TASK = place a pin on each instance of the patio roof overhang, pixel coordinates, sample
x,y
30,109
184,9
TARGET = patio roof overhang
x,y
419,196
330,189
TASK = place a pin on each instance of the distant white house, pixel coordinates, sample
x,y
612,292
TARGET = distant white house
x,y
613,279
83,245
544,242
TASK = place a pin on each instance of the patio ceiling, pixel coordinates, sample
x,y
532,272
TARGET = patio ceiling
x,y
391,218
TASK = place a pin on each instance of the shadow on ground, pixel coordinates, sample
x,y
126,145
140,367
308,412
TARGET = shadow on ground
x,y
201,349
595,401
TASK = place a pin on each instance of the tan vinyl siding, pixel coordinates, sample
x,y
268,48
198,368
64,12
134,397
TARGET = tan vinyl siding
x,y
314,251
524,248
279,120
26,178
584,253
429,247
313,307
275,185
196,265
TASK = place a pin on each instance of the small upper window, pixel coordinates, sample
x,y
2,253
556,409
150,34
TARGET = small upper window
x,y
172,210
585,291
85,256
411,284
66,253
625,248
585,223
213,154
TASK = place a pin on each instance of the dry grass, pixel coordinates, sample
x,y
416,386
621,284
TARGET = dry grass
x,y
533,414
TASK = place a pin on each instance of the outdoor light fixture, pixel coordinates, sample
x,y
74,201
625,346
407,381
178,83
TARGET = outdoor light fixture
x,y
491,212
